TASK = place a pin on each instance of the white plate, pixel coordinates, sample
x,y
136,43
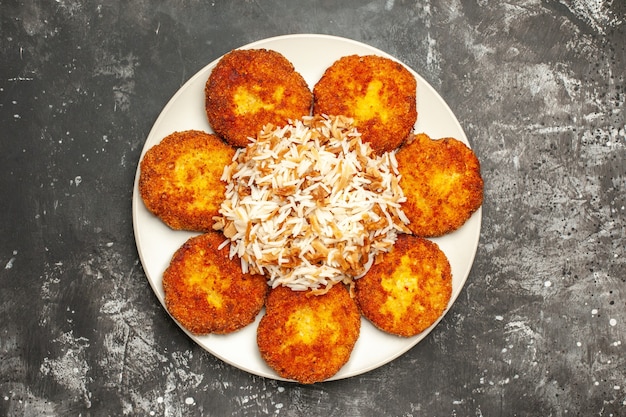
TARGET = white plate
x,y
156,243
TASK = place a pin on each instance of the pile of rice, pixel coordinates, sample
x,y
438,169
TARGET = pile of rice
x,y
310,205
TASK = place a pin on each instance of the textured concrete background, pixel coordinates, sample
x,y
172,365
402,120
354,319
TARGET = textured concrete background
x,y
538,86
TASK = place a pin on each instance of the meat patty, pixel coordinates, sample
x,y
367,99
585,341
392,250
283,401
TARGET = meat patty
x,y
179,179
307,337
248,89
206,291
409,289
377,92
442,184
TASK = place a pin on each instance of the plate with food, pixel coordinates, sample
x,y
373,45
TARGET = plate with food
x,y
307,208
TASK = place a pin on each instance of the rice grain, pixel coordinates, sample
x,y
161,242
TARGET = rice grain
x,y
310,205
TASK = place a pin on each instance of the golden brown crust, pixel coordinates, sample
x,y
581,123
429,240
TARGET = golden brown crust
x,y
248,89
206,291
306,337
179,180
378,93
408,290
442,183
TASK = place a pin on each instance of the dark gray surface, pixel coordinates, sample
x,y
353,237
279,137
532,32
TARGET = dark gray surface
x,y
539,87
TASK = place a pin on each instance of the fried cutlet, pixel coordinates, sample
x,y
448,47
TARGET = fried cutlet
x,y
206,291
377,92
442,183
306,337
248,89
179,180
408,290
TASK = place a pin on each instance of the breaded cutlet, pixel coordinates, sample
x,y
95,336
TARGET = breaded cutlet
x,y
179,179
442,184
249,89
408,290
306,337
377,92
206,291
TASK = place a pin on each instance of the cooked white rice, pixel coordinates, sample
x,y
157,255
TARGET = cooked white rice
x,y
310,205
